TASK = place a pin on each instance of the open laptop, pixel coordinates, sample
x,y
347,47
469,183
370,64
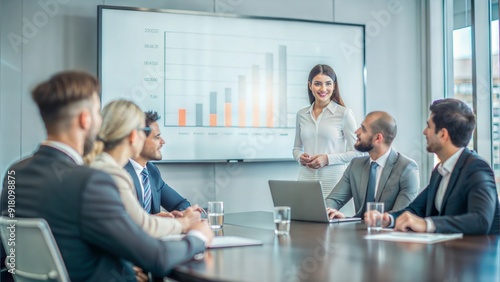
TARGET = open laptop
x,y
305,199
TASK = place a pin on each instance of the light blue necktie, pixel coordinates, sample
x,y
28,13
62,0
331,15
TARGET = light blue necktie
x,y
147,190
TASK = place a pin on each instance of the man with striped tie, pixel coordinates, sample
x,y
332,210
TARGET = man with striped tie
x,y
152,192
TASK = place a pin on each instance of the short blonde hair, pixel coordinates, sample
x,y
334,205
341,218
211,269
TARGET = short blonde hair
x,y
119,118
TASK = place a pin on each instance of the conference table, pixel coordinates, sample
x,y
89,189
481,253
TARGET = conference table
x,y
338,252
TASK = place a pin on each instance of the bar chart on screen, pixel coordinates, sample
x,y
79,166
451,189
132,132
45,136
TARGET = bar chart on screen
x,y
227,88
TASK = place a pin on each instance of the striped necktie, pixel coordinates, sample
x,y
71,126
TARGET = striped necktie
x,y
147,190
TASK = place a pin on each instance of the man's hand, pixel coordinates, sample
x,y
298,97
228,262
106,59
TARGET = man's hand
x,y
371,216
203,228
318,161
189,217
333,213
410,222
140,276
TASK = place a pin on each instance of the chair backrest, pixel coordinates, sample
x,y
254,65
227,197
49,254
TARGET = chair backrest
x,y
36,256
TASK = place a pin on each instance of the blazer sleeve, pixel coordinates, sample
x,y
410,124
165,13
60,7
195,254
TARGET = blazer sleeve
x,y
409,184
417,207
106,225
171,200
341,193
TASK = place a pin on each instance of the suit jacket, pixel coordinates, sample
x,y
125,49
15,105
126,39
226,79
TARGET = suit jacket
x,y
155,226
398,185
96,237
161,194
470,203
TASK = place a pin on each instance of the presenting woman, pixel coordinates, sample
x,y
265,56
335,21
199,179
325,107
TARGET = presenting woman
x,y
122,136
324,138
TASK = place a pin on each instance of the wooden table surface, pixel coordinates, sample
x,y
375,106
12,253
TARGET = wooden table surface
x,y
338,252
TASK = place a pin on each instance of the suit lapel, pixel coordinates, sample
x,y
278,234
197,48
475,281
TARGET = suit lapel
x,y
138,190
153,180
432,189
454,176
386,172
365,175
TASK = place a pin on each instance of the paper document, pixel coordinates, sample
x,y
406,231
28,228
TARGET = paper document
x,y
428,238
221,241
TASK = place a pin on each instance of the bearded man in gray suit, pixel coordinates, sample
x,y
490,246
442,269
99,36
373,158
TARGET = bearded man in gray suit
x,y
384,176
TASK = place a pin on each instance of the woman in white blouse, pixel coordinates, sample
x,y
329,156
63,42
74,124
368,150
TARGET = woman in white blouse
x,y
324,138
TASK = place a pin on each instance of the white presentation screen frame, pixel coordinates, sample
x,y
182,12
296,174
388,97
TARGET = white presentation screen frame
x,y
227,87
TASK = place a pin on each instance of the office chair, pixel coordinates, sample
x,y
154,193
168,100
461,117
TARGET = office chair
x,y
37,257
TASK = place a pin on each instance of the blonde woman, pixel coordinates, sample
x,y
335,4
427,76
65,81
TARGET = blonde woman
x,y
121,137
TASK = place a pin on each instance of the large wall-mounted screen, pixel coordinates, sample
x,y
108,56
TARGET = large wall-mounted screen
x,y
226,87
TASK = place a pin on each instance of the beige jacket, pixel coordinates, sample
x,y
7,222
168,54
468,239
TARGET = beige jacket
x,y
155,226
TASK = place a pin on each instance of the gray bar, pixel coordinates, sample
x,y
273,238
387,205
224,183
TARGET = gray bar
x,y
242,81
228,95
213,102
199,114
282,86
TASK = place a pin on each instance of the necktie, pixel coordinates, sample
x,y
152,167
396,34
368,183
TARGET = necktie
x,y
370,191
147,190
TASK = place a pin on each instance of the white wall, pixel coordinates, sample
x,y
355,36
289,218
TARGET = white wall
x,y
62,34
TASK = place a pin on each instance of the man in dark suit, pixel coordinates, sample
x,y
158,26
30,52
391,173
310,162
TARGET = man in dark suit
x,y
161,194
461,196
395,176
97,239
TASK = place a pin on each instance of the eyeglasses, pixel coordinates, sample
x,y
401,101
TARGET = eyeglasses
x,y
147,130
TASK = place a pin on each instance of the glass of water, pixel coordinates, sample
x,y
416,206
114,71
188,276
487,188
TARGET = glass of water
x,y
215,213
282,220
377,210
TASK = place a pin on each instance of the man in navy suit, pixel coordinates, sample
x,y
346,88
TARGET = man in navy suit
x,y
161,195
97,238
461,196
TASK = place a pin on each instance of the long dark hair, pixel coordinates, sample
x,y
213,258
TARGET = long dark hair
x,y
326,70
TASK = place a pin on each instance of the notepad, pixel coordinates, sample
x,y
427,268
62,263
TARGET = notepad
x,y
222,241
427,238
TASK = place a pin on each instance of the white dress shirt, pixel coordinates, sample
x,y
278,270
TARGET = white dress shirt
x,y
138,170
331,133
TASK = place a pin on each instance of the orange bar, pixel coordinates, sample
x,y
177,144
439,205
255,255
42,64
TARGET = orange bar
x,y
269,111
182,117
213,119
242,114
255,117
229,113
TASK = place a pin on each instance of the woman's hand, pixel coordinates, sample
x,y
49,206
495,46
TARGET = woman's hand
x,y
318,161
304,159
